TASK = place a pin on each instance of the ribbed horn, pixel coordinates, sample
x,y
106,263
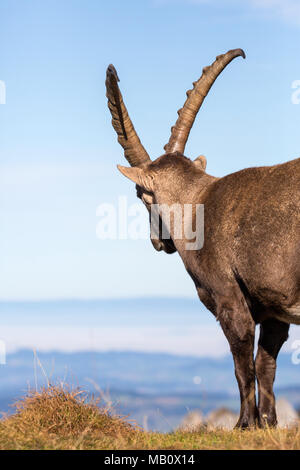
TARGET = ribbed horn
x,y
195,98
134,151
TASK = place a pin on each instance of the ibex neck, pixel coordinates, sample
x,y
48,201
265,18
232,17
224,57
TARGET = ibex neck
x,y
196,190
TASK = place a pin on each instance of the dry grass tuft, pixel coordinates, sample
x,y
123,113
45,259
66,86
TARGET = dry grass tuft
x,y
60,418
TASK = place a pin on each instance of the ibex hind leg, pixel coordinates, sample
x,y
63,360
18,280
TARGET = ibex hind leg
x,y
290,314
239,329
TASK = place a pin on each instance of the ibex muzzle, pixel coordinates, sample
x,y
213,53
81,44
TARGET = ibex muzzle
x,y
248,270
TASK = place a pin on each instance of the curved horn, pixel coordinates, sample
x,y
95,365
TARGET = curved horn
x,y
133,149
195,98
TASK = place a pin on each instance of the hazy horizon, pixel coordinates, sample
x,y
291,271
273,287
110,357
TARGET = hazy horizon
x,y
163,324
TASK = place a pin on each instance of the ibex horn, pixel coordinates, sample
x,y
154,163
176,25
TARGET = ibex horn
x,y
195,98
134,151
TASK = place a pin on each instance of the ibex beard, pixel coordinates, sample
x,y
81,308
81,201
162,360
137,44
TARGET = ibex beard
x,y
183,221
248,270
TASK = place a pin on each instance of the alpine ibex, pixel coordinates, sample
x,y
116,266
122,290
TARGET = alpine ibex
x,y
248,270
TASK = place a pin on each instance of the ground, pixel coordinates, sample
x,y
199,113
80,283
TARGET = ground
x,y
58,418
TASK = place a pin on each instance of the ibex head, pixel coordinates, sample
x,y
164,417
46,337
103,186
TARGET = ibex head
x,y
172,166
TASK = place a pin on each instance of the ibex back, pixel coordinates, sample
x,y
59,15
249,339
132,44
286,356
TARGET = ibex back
x,y
248,270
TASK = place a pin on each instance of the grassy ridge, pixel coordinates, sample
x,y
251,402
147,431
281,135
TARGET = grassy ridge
x,y
56,418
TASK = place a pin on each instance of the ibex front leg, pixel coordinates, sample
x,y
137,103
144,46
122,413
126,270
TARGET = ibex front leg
x,y
273,333
239,329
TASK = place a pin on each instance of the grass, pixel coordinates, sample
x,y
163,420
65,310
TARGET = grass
x,y
58,418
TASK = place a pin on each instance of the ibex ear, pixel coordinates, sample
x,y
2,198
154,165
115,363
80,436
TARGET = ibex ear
x,y
138,176
201,162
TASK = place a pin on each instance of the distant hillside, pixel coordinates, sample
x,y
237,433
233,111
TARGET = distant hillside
x,y
156,389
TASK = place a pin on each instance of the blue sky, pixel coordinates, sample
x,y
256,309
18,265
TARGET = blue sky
x,y
58,151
